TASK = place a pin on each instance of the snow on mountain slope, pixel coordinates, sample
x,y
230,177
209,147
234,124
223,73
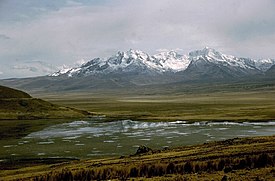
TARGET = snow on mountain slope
x,y
128,61
216,57
171,60
165,61
264,64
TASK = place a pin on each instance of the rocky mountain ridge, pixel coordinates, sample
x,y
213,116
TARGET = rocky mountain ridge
x,y
169,62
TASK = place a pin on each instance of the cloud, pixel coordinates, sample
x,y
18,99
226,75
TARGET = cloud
x,y
62,32
32,68
35,66
4,37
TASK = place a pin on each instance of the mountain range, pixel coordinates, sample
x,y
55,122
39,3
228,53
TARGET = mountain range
x,y
135,68
199,61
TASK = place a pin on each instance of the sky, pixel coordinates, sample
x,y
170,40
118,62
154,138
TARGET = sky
x,y
37,37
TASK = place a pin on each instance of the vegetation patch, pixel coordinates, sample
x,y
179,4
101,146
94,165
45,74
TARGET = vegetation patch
x,y
237,159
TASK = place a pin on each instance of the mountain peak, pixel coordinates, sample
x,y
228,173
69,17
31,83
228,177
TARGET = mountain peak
x,y
167,54
137,61
209,50
137,54
132,54
206,51
133,51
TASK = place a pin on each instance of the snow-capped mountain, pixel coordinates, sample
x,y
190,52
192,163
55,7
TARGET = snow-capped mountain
x,y
137,71
200,62
129,61
209,63
212,56
264,64
172,61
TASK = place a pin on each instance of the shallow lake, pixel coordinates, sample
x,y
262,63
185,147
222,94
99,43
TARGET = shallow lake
x,y
96,138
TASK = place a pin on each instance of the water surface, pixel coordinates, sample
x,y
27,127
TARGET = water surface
x,y
98,138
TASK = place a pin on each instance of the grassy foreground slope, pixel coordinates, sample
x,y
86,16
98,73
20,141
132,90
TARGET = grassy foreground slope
x,y
234,159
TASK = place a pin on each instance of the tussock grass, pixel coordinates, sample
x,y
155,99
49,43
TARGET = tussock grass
x,y
160,169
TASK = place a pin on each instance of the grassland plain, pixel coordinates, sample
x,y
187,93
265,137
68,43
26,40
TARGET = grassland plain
x,y
234,159
253,105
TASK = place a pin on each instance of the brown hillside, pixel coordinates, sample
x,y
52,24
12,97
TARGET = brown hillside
x,y
6,92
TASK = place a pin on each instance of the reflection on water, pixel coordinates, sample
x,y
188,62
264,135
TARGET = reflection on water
x,y
99,138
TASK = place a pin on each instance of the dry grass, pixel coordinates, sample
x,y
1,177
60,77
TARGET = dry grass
x,y
239,159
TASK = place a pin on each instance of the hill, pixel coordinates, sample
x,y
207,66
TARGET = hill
x,y
16,104
6,92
